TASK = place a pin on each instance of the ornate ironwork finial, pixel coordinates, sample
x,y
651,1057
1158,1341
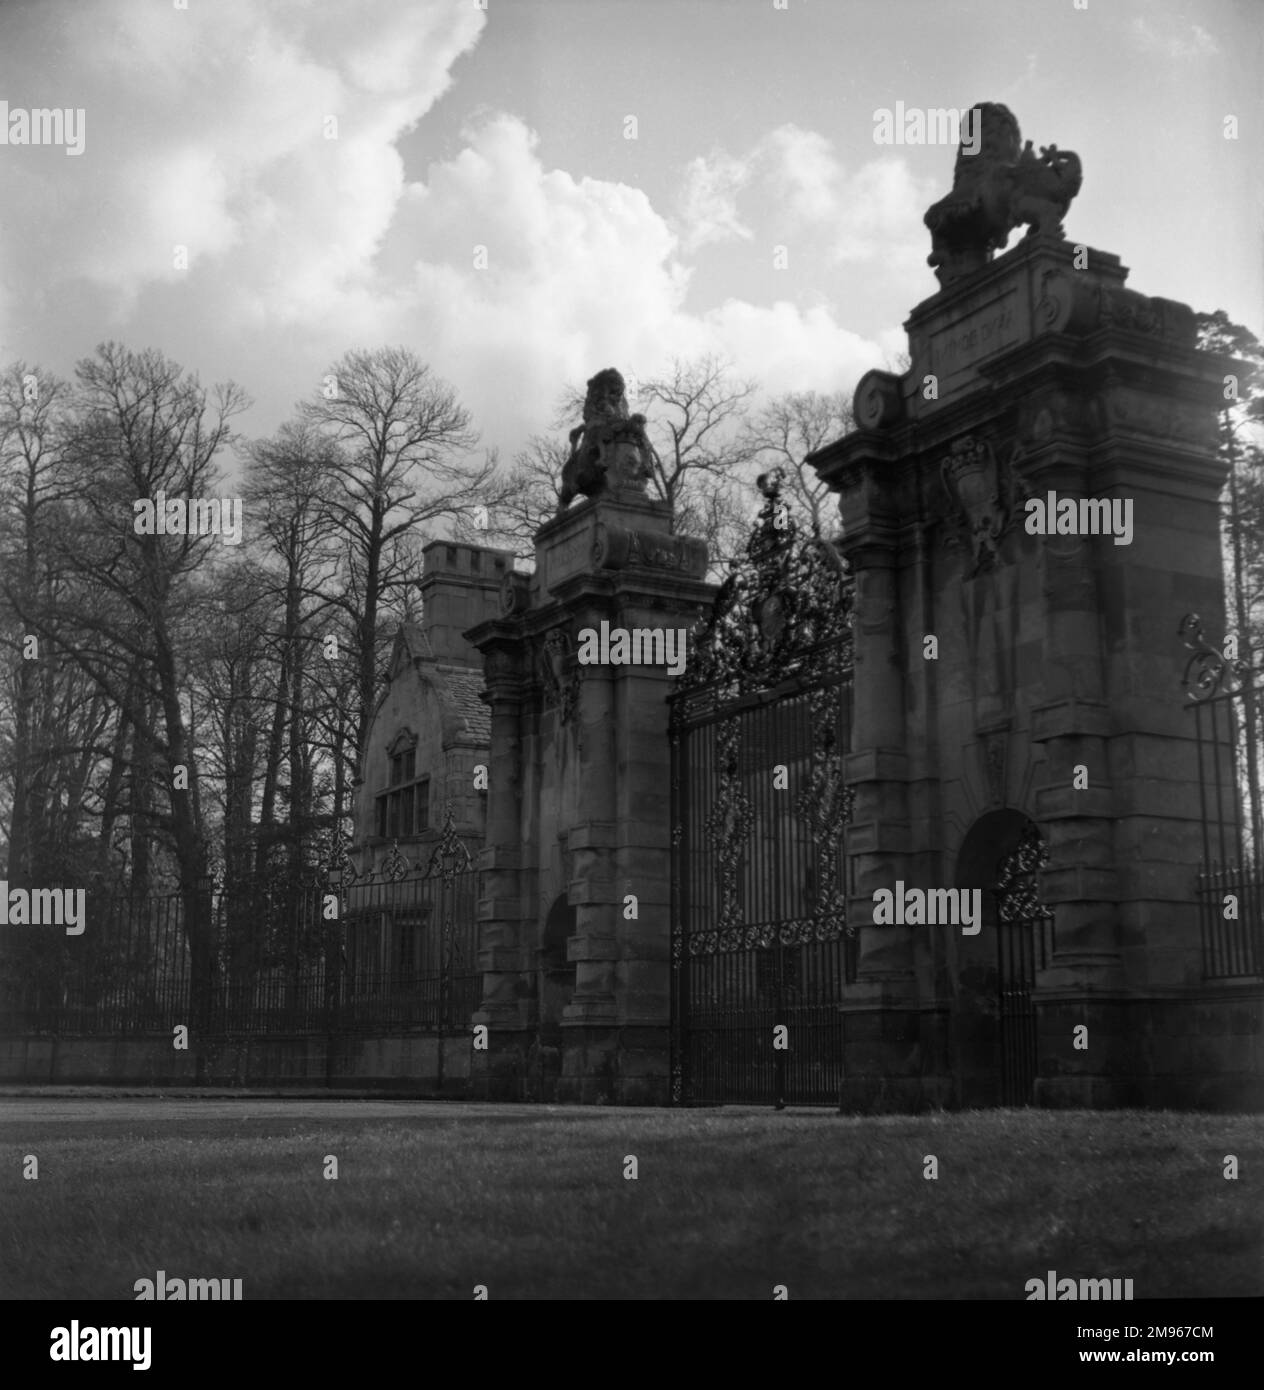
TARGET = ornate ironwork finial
x,y
339,861
450,855
395,866
770,483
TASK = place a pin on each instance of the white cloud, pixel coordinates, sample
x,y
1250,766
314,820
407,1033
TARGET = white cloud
x,y
301,248
708,204
872,213
790,349
880,215
581,274
803,195
802,175
206,128
1195,42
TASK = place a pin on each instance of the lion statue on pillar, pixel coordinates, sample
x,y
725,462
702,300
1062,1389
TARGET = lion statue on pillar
x,y
610,451
1001,186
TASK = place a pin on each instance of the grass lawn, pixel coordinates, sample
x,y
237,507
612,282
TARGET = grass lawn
x,y
431,1200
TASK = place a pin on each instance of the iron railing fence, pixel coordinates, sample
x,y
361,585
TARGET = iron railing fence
x,y
1231,909
395,952
1227,708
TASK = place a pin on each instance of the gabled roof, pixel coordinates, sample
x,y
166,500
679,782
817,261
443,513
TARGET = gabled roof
x,y
464,713
411,644
459,688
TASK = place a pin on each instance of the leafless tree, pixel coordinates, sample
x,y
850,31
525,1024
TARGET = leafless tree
x,y
291,480
140,426
405,465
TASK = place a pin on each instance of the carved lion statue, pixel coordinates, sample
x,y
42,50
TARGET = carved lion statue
x,y
610,448
1002,186
1044,187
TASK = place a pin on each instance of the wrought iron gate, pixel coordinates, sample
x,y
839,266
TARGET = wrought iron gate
x,y
1022,924
760,725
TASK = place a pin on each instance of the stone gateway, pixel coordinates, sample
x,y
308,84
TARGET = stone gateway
x,y
918,823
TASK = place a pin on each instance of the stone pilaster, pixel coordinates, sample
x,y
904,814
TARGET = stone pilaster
x,y
592,889
504,951
880,1018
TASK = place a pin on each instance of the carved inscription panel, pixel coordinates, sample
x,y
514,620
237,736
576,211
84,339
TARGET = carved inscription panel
x,y
952,351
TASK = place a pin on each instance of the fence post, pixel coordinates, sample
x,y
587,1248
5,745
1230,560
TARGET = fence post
x,y
333,936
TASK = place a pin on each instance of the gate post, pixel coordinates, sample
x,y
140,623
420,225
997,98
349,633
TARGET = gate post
x,y
580,771
1032,493
880,1020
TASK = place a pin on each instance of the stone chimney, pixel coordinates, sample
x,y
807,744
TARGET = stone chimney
x,y
460,588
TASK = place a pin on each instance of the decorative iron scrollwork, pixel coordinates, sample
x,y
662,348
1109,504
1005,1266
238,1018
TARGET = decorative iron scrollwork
x,y
782,619
783,610
825,806
791,931
1208,672
1017,889
449,859
450,855
728,825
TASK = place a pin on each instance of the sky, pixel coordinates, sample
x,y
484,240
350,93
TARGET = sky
x,y
630,168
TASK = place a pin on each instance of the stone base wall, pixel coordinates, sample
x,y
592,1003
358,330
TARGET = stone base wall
x,y
420,1066
1203,1052
895,1061
620,1065
1199,1052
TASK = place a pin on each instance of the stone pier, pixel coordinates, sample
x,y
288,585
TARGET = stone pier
x,y
574,925
1049,697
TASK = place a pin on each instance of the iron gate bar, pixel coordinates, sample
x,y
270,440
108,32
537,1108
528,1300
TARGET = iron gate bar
x,y
1022,920
1227,705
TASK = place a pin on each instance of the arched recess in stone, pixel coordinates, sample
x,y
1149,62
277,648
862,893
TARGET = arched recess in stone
x,y
557,974
991,974
993,836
